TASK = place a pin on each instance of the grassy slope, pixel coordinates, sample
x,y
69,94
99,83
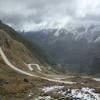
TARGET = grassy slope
x,y
17,53
35,50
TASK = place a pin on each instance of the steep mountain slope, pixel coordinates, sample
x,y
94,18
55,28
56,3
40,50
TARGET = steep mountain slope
x,y
18,63
32,47
75,48
10,41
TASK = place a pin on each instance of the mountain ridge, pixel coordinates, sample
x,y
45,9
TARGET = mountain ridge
x,y
70,48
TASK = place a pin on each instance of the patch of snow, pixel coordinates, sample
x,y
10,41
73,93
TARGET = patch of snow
x,y
30,94
52,88
74,94
84,94
43,98
97,79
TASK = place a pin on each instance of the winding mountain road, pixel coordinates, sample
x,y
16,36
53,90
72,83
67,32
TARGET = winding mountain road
x,y
29,74
11,65
30,66
4,57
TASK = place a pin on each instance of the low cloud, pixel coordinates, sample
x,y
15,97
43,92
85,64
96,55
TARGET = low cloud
x,y
32,14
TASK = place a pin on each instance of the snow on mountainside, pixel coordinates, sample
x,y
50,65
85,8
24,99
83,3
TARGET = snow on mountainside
x,y
89,31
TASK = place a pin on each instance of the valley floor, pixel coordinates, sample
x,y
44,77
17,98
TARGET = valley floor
x,y
48,87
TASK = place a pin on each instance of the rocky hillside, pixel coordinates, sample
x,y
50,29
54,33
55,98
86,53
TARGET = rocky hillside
x,y
15,47
15,73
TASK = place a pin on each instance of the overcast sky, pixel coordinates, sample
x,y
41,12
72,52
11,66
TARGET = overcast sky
x,y
32,14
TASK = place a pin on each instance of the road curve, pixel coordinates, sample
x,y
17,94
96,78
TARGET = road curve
x,y
11,65
26,73
37,66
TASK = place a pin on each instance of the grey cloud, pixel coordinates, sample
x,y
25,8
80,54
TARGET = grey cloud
x,y
21,12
